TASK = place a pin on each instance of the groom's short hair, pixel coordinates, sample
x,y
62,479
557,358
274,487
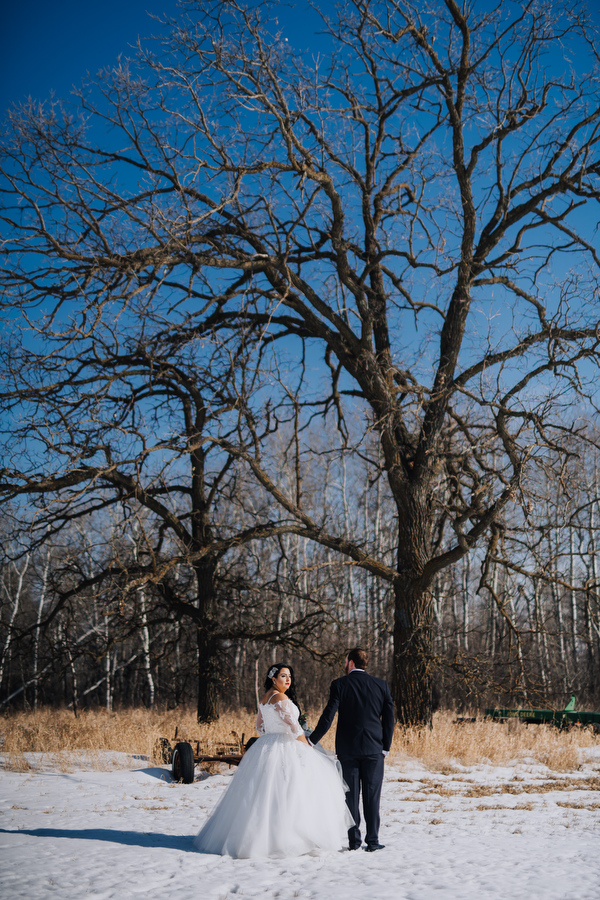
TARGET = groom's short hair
x,y
359,657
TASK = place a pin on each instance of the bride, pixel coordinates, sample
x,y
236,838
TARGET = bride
x,y
286,798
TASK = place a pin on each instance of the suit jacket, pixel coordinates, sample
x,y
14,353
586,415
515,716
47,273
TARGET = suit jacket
x,y
365,715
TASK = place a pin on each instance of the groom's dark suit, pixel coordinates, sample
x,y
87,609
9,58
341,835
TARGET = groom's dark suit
x,y
364,731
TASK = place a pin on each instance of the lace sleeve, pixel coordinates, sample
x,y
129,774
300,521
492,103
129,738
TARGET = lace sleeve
x,y
260,725
289,714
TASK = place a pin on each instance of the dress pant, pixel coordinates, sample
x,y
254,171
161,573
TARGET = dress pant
x,y
363,773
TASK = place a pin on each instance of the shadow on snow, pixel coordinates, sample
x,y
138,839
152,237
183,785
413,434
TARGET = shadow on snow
x,y
127,838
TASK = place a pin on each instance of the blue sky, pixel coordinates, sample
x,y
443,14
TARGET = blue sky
x,y
50,45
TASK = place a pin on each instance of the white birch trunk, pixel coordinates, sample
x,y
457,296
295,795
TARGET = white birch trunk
x,y
145,635
574,617
37,634
16,599
465,593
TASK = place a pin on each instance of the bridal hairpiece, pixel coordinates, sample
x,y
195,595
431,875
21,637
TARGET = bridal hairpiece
x,y
272,671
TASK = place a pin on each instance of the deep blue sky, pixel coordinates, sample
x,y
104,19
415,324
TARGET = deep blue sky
x,y
49,45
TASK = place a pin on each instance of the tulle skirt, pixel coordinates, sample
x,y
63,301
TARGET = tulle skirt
x,y
286,799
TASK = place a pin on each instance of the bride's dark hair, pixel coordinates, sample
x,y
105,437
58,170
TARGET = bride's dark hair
x,y
273,671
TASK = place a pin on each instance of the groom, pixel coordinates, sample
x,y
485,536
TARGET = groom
x,y
363,738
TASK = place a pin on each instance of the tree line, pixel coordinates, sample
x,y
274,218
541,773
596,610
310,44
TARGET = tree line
x,y
518,623
286,332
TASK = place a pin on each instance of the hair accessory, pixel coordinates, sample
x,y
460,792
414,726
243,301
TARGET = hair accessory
x,y
272,671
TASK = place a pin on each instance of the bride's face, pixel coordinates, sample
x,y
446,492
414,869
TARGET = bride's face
x,y
283,680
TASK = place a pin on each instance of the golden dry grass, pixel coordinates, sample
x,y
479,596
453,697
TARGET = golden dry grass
x,y
133,731
136,731
573,805
447,744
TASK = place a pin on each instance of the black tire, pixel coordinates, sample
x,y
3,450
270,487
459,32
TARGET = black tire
x,y
183,763
162,751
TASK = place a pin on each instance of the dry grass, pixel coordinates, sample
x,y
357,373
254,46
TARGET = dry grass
x,y
136,731
591,783
572,805
133,731
429,789
447,744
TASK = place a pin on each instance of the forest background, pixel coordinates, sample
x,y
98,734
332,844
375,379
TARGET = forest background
x,y
300,351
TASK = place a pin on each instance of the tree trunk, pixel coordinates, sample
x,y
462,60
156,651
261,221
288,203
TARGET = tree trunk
x,y
145,636
413,620
208,644
108,697
38,629
6,652
466,577
413,653
574,611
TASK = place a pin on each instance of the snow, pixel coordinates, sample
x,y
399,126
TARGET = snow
x,y
479,833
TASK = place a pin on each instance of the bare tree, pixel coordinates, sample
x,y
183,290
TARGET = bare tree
x,y
12,588
125,408
426,176
414,202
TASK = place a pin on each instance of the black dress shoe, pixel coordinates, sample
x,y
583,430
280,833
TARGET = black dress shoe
x,y
354,847
371,848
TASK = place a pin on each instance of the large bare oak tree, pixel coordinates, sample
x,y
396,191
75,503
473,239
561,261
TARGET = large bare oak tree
x,y
408,209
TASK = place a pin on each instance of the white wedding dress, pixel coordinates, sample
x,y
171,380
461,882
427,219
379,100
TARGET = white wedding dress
x,y
286,798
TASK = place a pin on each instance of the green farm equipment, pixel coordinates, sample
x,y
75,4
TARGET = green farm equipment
x,y
562,718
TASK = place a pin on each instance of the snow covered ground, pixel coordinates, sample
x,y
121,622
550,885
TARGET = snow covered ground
x,y
470,834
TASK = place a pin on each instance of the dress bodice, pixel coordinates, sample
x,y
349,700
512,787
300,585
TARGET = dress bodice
x,y
278,718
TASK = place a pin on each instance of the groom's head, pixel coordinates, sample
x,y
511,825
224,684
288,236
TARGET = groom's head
x,y
356,659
